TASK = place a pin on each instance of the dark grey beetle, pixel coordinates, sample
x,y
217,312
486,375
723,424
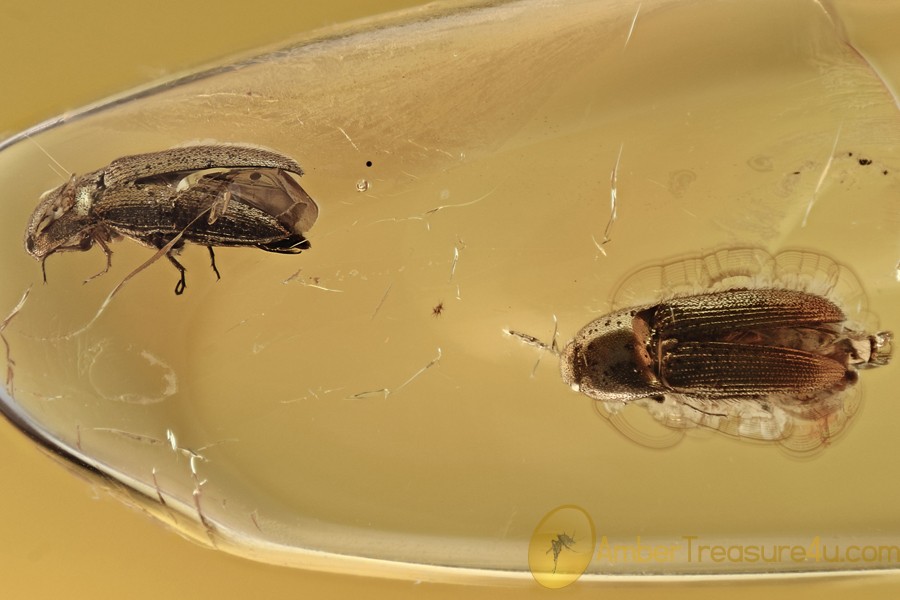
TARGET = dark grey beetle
x,y
213,195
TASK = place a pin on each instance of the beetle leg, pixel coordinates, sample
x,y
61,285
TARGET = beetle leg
x,y
108,252
179,287
82,246
212,260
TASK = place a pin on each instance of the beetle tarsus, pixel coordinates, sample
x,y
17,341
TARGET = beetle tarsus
x,y
212,261
179,287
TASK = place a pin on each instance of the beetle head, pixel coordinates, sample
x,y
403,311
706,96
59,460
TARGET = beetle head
x,y
61,219
607,360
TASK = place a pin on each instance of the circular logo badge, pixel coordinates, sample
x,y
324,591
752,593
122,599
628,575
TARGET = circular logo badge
x,y
561,547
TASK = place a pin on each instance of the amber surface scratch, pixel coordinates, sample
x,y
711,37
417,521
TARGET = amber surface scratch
x,y
822,176
462,204
135,437
10,363
161,498
613,203
385,392
453,262
631,28
433,362
355,147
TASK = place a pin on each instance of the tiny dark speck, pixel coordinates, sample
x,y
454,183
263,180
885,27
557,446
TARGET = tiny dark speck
x,y
368,163
865,161
885,172
796,172
254,176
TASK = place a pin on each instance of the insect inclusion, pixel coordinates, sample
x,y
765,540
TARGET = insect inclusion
x,y
213,195
762,363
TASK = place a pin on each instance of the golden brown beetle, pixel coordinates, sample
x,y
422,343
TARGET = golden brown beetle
x,y
766,344
764,352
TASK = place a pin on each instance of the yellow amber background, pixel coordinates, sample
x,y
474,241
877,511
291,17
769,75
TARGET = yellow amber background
x,y
62,540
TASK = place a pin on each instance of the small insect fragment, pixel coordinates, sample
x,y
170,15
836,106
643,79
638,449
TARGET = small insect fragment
x,y
438,310
562,541
213,195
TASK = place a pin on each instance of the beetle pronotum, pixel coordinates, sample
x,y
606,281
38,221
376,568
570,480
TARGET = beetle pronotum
x,y
213,195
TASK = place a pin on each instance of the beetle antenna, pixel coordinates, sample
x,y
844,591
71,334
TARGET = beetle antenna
x,y
65,172
552,347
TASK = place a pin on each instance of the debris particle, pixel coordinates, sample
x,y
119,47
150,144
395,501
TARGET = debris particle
x,y
381,302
